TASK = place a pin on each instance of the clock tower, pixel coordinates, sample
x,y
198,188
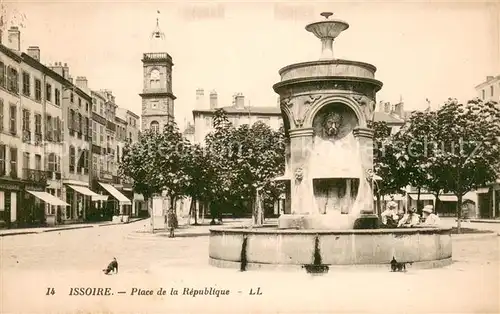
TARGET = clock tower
x,y
157,96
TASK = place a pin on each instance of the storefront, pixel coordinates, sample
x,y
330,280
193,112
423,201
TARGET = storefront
x,y
119,204
49,205
82,202
10,196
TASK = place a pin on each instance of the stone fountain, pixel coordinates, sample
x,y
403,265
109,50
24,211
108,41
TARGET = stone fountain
x,y
329,216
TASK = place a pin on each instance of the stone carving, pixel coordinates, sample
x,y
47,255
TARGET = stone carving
x,y
299,174
299,123
287,102
367,105
332,124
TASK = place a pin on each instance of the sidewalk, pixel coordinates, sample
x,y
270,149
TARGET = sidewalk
x,y
186,231
36,230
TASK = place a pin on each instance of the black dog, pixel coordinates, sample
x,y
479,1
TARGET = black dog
x,y
113,266
398,266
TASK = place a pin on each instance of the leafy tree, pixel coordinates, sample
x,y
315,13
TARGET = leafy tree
x,y
172,154
385,163
139,163
470,147
244,160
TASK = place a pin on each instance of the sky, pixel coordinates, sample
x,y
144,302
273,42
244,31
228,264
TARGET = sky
x,y
430,49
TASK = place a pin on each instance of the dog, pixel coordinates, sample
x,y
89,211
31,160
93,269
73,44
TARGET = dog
x,y
398,266
113,266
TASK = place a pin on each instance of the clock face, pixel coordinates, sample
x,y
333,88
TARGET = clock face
x,y
155,75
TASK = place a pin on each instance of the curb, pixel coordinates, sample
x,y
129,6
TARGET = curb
x,y
148,235
69,228
485,221
18,233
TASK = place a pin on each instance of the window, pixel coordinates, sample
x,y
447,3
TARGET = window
x,y
26,84
492,90
71,159
13,119
71,97
26,160
38,123
26,120
154,79
155,126
86,107
101,134
2,159
483,94
48,92
58,97
79,123
3,74
154,105
13,162
94,163
13,80
57,129
1,114
38,162
52,164
101,108
71,122
79,103
38,90
85,126
49,128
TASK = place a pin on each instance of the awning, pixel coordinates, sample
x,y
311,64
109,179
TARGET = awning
x,y
423,197
48,198
83,190
116,194
448,198
482,190
138,197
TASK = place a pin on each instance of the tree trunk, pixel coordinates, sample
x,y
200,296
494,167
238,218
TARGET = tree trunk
x,y
196,211
203,212
257,215
149,208
171,217
438,203
418,199
459,212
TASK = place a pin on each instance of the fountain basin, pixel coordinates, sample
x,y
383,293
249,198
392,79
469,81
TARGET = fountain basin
x,y
270,247
321,68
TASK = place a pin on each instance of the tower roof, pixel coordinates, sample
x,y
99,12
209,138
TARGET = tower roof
x,y
157,37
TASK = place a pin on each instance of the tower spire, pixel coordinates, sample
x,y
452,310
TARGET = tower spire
x,y
157,33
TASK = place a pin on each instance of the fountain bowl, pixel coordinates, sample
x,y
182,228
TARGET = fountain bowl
x,y
327,28
268,247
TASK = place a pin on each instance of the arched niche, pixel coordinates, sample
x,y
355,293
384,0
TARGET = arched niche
x,y
334,121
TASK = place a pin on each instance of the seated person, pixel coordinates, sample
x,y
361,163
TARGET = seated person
x,y
410,219
430,219
390,216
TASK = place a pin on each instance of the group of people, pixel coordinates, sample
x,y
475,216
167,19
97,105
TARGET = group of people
x,y
392,218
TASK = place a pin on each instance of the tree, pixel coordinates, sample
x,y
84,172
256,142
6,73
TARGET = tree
x,y
385,163
172,154
139,163
244,161
470,147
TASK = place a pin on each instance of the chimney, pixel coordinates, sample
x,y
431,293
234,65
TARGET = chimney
x,y
14,38
57,67
34,52
200,97
81,82
65,70
239,101
398,109
489,78
387,107
213,99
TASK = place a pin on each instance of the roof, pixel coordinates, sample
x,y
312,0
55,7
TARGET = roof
x,y
244,110
387,118
488,81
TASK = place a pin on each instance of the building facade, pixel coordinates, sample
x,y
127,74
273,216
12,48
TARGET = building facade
x,y
238,114
31,136
489,196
